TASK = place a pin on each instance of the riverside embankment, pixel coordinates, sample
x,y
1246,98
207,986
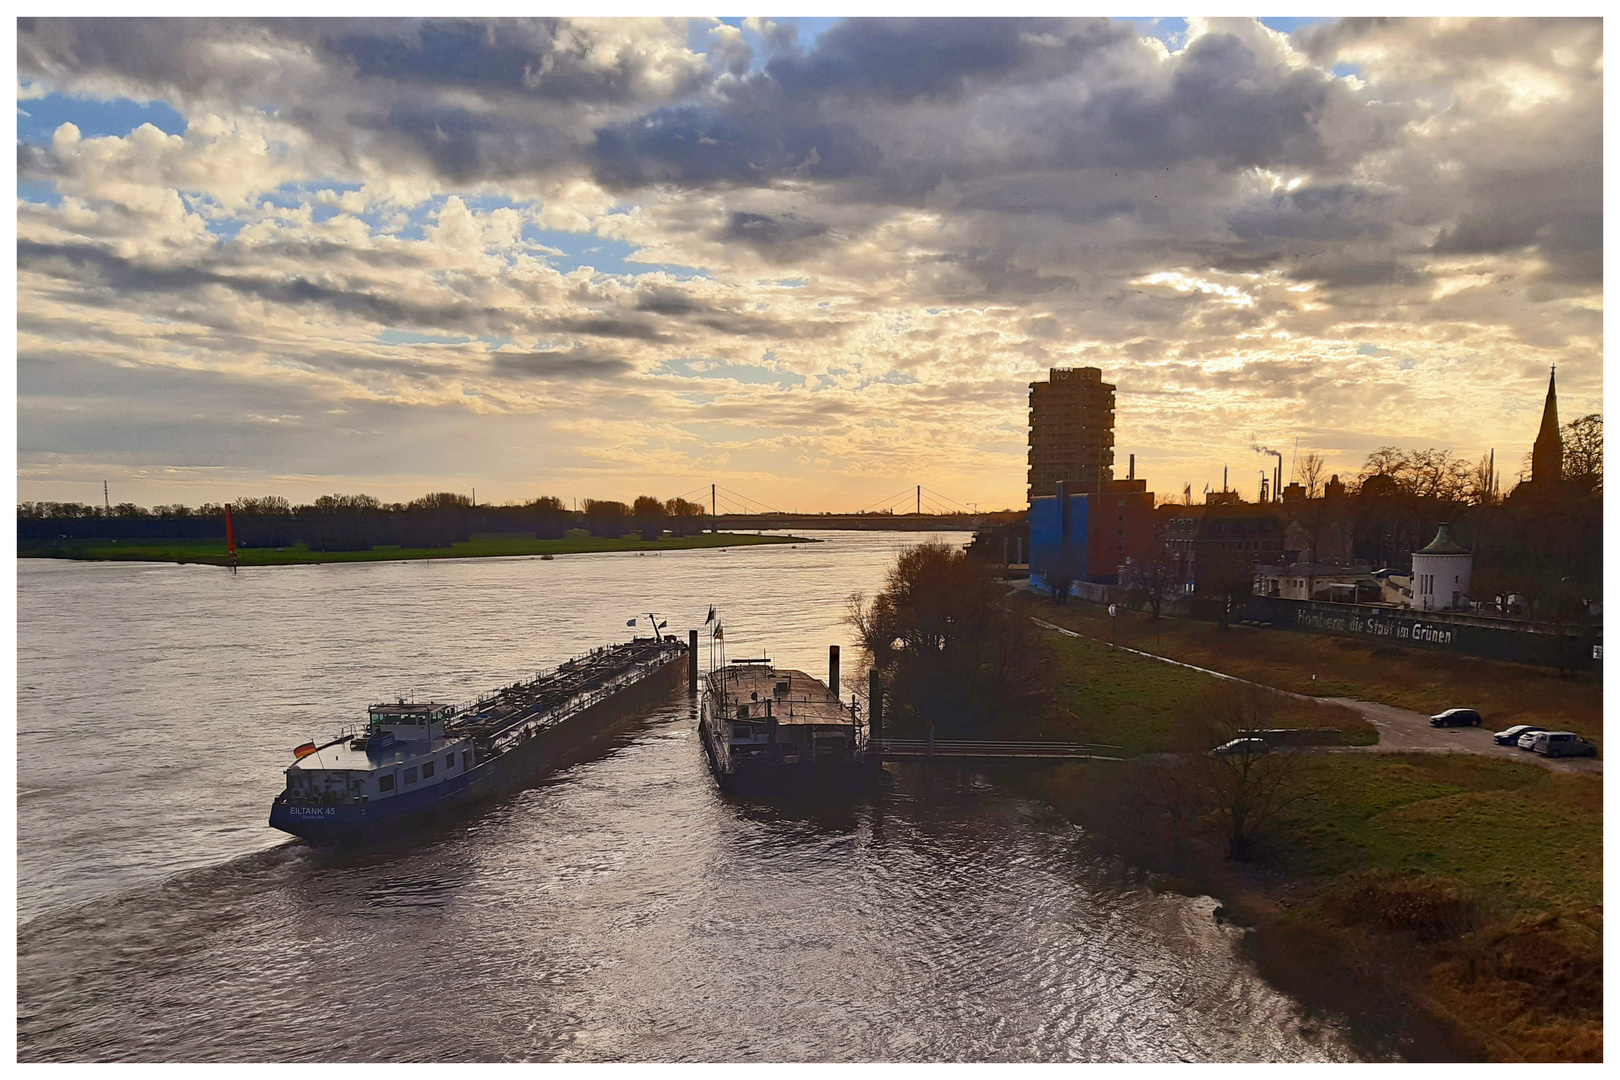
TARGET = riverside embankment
x,y
1452,902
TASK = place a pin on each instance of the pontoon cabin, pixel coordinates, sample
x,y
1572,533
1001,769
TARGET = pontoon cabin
x,y
767,714
403,749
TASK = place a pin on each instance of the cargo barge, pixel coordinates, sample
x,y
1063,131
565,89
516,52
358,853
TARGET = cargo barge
x,y
769,730
414,761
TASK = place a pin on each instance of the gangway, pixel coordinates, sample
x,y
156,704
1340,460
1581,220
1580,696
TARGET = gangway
x,y
912,749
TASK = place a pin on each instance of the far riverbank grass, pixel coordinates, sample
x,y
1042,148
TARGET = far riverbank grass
x,y
480,546
1505,694
1466,889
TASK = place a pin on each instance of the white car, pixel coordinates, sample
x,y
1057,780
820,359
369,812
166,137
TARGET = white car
x,y
1528,739
1562,744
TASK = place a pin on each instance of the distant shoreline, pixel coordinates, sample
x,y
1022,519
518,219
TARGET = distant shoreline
x,y
211,552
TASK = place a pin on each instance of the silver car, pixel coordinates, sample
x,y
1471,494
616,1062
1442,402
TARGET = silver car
x,y
1562,744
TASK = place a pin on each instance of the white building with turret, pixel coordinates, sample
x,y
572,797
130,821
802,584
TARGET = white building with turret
x,y
1441,573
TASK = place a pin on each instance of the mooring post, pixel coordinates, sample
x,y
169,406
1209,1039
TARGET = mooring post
x,y
691,661
832,669
874,706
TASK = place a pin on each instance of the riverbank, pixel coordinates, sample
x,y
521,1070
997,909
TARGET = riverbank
x,y
480,546
1451,904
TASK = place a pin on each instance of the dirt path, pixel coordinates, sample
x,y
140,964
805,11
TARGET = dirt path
x,y
1400,731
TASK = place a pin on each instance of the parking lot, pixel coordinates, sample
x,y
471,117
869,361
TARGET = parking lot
x,y
1405,731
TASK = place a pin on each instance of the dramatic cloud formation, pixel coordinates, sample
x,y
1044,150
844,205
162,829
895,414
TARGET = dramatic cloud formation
x,y
608,257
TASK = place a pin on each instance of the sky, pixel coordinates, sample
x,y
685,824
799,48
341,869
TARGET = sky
x,y
814,261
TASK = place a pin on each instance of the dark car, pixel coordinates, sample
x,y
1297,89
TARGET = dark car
x,y
1510,737
1455,718
1242,748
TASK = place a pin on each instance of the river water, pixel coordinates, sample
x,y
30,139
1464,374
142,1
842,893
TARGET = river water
x,y
621,909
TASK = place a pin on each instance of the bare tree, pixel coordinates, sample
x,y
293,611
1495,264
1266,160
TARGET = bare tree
x,y
1481,483
1249,788
1309,472
1583,451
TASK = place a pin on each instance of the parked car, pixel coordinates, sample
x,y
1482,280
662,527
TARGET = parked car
x,y
1527,740
1510,737
1247,747
1455,718
1562,744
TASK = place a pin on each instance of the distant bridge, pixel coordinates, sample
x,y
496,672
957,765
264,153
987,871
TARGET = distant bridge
x,y
911,509
898,522
913,749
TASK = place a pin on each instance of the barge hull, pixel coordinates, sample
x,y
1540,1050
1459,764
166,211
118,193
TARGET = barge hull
x,y
555,746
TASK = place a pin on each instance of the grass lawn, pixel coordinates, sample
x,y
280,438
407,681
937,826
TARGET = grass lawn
x,y
1323,665
1522,838
1116,698
482,545
1490,870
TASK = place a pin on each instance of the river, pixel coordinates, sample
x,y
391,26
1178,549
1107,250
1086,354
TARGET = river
x,y
620,910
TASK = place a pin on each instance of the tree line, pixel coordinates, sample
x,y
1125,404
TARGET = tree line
x,y
358,522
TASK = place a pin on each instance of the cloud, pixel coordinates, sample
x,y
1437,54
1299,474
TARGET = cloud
x,y
576,363
899,223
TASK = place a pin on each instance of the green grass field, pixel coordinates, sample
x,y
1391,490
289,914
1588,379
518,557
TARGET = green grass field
x,y
1117,698
1522,838
1323,665
481,546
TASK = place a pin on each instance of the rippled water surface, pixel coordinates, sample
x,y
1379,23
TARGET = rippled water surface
x,y
619,910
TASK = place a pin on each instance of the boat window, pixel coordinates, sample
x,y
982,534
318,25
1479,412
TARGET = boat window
x,y
410,775
466,759
449,761
385,783
427,769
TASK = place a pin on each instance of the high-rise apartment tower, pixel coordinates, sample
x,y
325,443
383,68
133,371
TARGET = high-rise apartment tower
x,y
1071,431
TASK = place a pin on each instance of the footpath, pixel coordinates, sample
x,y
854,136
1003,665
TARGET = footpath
x,y
1400,731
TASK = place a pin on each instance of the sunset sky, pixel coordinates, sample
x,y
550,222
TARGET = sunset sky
x,y
815,261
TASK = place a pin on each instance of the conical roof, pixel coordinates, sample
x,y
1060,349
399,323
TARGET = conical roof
x,y
1443,544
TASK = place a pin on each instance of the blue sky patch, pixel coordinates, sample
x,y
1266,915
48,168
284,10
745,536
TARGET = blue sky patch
x,y
38,118
411,337
603,255
743,373
1170,30
39,191
1290,23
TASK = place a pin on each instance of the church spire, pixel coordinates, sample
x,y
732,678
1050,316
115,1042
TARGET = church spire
x,y
1547,456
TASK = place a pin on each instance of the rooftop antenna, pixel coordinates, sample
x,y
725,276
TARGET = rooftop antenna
x,y
1293,470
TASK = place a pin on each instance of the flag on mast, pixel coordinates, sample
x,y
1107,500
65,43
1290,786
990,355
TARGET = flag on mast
x,y
710,619
632,622
719,632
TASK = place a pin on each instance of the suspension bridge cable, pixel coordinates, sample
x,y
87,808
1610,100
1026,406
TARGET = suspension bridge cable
x,y
886,500
747,499
947,499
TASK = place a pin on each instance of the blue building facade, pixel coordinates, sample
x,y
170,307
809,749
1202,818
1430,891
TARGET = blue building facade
x,y
1058,537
